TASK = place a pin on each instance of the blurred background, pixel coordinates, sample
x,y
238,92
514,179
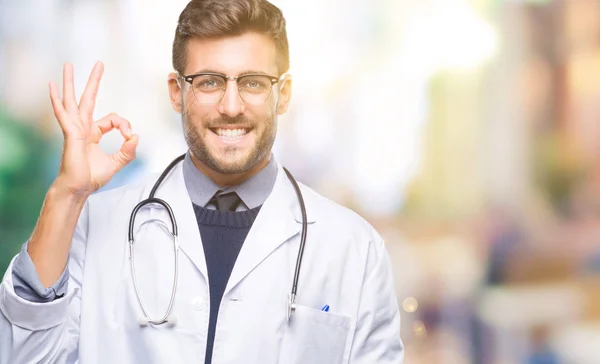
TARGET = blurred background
x,y
467,132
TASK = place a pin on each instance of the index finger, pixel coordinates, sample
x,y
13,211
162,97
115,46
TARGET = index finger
x,y
88,99
114,121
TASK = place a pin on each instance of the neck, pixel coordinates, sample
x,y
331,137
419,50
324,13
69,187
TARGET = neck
x,y
229,179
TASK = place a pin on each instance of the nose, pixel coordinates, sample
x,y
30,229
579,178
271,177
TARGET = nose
x,y
232,104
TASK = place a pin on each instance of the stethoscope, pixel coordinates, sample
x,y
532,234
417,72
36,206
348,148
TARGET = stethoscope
x,y
167,317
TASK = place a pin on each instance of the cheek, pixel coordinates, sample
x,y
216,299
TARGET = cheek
x,y
262,115
272,104
196,113
190,103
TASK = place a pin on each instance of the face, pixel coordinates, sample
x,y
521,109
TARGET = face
x,y
230,136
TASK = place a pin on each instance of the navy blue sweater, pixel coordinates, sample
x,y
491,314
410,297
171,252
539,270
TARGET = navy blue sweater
x,y
223,234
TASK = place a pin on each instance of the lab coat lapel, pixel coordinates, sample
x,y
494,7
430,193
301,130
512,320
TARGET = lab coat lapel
x,y
276,223
175,193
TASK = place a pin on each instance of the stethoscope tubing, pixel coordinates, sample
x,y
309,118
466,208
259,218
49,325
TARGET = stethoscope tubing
x,y
151,199
292,298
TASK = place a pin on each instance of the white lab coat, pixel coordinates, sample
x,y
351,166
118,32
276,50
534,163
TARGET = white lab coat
x,y
345,266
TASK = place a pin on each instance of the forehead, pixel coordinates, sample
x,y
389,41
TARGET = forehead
x,y
232,55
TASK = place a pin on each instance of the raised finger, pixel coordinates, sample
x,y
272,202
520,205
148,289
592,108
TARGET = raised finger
x,y
88,99
69,101
127,152
57,106
114,121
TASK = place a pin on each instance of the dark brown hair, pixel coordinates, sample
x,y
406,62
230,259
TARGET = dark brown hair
x,y
206,19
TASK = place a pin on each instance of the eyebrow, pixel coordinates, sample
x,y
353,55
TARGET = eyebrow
x,y
248,72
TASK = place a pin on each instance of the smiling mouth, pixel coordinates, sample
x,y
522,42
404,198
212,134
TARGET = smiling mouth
x,y
230,133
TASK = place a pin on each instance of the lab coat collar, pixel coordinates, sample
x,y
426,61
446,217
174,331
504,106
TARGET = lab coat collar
x,y
279,220
175,193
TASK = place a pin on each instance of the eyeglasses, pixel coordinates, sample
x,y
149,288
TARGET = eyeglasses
x,y
209,88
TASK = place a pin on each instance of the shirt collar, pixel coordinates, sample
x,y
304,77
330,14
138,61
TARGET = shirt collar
x,y
253,192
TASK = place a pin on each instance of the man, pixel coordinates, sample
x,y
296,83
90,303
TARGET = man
x,y
77,292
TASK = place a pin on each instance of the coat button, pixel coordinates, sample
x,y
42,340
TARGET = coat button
x,y
196,303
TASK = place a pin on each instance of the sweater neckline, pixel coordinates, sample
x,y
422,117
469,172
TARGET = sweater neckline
x,y
237,219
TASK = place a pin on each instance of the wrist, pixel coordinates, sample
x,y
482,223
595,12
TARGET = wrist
x,y
61,191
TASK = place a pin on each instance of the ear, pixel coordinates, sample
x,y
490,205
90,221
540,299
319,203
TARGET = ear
x,y
285,94
175,92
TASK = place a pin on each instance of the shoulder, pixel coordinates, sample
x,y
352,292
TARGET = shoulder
x,y
346,231
124,193
332,215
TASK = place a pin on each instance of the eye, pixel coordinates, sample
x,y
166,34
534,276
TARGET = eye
x,y
255,82
208,82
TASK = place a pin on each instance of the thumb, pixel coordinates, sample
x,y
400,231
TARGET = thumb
x,y
127,152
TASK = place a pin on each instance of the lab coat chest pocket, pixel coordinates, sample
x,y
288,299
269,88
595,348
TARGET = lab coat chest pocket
x,y
315,337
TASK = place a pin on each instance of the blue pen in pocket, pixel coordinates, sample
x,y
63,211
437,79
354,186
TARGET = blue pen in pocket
x,y
325,308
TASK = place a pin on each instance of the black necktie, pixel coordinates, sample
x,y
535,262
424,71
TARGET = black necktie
x,y
226,201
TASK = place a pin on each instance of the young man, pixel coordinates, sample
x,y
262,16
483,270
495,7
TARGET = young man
x,y
98,282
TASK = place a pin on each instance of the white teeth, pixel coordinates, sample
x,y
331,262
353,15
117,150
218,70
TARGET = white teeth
x,y
231,133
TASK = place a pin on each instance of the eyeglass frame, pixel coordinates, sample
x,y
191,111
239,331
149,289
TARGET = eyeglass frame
x,y
274,80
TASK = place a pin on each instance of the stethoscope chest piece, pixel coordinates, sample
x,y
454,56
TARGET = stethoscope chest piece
x,y
291,306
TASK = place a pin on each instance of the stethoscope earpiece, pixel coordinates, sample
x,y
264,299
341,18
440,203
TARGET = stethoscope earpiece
x,y
143,321
172,321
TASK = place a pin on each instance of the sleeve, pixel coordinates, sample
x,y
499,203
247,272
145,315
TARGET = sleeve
x,y
377,337
27,284
44,332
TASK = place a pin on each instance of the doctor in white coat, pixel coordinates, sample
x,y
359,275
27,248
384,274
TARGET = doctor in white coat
x,y
77,293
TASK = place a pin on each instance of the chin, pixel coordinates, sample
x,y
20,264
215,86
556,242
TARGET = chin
x,y
231,164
